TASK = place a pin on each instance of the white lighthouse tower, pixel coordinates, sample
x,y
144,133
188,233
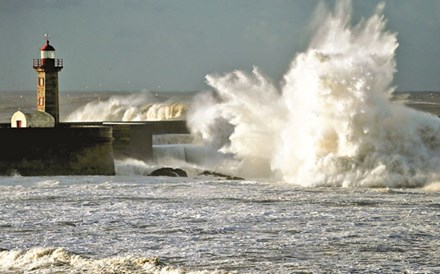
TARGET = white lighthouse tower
x,y
47,68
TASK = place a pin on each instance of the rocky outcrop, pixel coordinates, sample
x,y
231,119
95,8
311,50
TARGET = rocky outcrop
x,y
170,172
216,174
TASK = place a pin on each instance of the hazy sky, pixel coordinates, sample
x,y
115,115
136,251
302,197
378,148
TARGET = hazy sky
x,y
172,44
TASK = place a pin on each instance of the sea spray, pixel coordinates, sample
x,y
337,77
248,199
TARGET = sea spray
x,y
133,107
340,86
332,122
231,120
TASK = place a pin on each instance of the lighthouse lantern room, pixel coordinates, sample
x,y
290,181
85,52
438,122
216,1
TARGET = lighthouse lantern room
x,y
47,68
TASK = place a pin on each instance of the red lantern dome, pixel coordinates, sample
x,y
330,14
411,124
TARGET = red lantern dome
x,y
47,51
47,47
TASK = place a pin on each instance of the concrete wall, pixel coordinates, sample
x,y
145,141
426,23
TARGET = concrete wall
x,y
135,139
156,127
132,141
168,127
56,151
79,148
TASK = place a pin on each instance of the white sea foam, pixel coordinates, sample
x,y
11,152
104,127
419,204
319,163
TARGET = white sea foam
x,y
433,187
332,121
58,260
132,167
49,183
107,224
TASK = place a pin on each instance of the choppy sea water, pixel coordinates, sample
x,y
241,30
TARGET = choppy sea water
x,y
132,223
97,224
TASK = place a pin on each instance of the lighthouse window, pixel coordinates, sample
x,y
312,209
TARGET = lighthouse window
x,y
41,81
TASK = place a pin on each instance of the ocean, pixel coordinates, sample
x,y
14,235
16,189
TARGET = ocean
x,y
335,172
121,224
133,223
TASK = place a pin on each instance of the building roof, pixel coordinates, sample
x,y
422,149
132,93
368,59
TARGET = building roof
x,y
47,47
33,119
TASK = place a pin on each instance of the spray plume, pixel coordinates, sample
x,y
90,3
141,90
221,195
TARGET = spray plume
x,y
332,122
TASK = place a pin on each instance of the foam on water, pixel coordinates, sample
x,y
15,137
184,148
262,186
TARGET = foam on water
x,y
332,121
433,187
120,224
58,260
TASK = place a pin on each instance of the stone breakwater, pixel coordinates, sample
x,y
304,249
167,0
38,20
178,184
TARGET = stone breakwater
x,y
78,148
56,151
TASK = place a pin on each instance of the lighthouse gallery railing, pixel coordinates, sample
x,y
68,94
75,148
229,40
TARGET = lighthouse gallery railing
x,y
58,63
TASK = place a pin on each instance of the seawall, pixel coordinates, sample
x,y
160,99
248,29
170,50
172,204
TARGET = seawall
x,y
88,148
85,150
135,139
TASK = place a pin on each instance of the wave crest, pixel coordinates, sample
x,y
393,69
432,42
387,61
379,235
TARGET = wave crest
x,y
58,260
133,107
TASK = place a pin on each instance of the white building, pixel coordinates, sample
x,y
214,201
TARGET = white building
x,y
34,119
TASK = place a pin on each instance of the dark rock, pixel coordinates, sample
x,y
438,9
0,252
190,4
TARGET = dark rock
x,y
216,174
170,172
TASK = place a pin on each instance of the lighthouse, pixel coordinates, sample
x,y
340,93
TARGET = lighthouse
x,y
47,68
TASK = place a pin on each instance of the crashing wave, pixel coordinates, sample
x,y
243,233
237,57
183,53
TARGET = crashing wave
x,y
332,121
133,107
58,260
